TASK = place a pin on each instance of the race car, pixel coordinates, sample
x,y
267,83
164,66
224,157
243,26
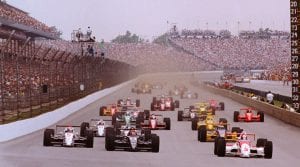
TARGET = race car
x,y
203,108
164,103
157,85
156,122
141,88
188,95
178,90
248,115
131,115
216,131
243,147
207,121
124,103
226,84
98,126
187,114
68,137
215,105
133,140
108,110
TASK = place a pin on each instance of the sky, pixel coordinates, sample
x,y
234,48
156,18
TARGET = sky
x,y
151,18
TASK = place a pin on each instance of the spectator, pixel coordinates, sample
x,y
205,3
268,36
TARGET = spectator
x,y
270,97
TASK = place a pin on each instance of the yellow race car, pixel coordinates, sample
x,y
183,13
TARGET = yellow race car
x,y
202,108
108,110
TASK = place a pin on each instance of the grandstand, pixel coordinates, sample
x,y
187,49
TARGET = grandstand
x,y
40,72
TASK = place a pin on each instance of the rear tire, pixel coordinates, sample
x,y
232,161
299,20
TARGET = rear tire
x,y
83,128
152,107
194,123
222,106
168,123
89,139
216,145
179,116
110,142
176,104
202,133
147,114
147,133
236,116
262,116
138,103
155,143
261,142
221,149
268,150
48,133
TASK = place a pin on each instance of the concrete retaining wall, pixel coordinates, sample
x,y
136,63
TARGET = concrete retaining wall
x,y
277,112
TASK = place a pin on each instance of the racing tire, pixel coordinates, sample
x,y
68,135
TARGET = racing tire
x,y
202,133
261,142
102,109
222,106
138,103
152,107
109,131
132,90
83,128
114,119
172,106
147,114
262,116
48,133
196,95
236,116
221,147
179,116
192,107
194,123
216,145
155,143
117,127
154,100
177,103
268,149
168,123
147,133
110,142
89,139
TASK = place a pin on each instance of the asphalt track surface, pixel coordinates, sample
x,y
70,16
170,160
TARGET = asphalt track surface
x,y
178,147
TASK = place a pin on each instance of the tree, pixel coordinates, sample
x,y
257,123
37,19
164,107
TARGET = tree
x,y
128,38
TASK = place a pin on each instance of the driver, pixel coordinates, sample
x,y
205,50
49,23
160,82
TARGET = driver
x,y
132,132
69,129
101,122
152,116
243,136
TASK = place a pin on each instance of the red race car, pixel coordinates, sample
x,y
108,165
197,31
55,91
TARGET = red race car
x,y
215,105
248,115
164,103
156,122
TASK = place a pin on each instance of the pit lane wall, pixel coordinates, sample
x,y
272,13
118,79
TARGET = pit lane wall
x,y
277,112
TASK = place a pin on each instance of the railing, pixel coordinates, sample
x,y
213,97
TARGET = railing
x,y
38,79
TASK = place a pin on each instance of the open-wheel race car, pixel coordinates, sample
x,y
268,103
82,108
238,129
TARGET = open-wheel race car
x,y
207,121
156,122
128,103
131,115
108,110
131,139
244,147
67,136
189,95
98,126
164,103
248,115
142,88
215,105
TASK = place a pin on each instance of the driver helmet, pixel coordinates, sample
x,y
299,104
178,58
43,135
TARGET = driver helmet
x,y
132,131
244,136
69,129
153,116
100,122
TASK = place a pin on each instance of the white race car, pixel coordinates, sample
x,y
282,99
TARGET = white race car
x,y
244,148
98,126
68,137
